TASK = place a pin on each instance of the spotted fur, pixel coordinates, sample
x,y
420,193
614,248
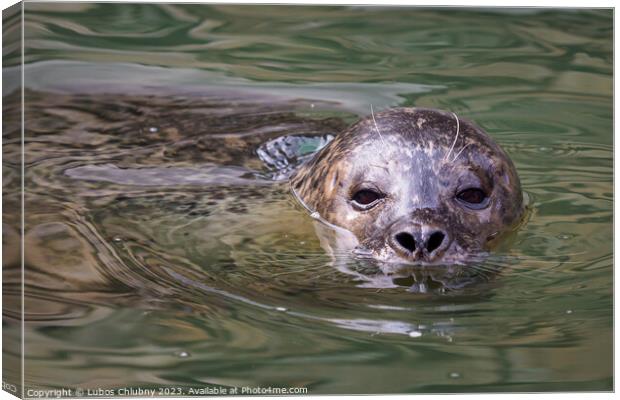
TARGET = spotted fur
x,y
421,160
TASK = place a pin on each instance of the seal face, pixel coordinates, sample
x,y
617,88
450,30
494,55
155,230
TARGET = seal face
x,y
414,185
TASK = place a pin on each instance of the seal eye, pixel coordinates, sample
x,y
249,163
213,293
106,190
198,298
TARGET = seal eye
x,y
366,197
472,197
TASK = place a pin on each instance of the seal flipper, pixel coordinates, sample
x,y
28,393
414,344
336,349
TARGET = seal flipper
x,y
282,155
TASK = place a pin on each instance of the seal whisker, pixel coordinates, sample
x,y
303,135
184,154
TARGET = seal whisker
x,y
526,256
459,153
304,269
533,260
486,268
379,166
526,273
376,126
327,271
456,137
524,269
542,259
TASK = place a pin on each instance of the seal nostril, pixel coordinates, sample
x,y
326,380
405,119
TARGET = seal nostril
x,y
434,241
406,240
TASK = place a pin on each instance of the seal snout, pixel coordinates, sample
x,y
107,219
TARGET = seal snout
x,y
417,242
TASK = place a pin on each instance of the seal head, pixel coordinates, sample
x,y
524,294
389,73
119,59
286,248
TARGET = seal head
x,y
414,185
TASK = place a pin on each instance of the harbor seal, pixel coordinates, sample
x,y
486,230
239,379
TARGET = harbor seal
x,y
414,186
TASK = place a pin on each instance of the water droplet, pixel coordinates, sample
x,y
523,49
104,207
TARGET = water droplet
x,y
153,129
544,149
302,243
311,105
117,239
569,311
283,309
315,215
455,375
415,334
181,354
564,237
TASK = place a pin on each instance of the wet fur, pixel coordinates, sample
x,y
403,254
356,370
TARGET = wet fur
x,y
422,157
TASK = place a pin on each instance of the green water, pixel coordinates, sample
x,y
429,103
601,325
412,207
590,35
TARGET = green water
x,y
159,253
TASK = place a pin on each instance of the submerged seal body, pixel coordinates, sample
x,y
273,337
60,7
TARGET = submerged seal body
x,y
414,185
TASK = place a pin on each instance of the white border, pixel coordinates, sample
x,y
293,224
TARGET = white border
x,y
478,3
